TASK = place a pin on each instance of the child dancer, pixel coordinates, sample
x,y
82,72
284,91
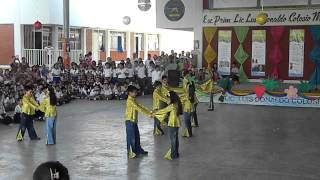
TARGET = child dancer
x,y
174,109
29,106
158,102
188,109
133,136
48,106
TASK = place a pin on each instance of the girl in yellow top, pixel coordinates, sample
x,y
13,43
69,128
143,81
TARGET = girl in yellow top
x,y
188,101
48,106
133,136
29,106
175,110
159,101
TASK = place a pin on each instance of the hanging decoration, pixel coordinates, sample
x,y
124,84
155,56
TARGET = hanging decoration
x,y
209,54
262,17
37,25
144,5
275,55
241,55
126,20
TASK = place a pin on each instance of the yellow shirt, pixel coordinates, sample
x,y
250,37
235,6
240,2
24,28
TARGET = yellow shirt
x,y
29,105
159,98
186,103
185,82
48,109
174,119
133,108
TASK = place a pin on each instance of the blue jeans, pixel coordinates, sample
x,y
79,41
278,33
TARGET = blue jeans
x,y
174,140
51,130
187,122
26,123
133,138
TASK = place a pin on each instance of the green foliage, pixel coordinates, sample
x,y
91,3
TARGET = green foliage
x,y
305,87
271,84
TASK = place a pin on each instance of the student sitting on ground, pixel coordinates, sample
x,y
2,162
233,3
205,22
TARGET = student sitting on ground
x,y
17,112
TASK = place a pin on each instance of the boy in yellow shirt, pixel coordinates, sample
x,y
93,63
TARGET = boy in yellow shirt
x,y
29,106
133,136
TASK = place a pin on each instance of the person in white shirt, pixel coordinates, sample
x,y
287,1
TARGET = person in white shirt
x,y
107,72
17,112
147,61
129,71
74,73
56,73
156,74
121,72
149,77
141,74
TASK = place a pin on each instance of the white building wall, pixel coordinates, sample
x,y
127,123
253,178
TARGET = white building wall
x,y
103,14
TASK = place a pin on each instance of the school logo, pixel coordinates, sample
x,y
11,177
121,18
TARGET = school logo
x,y
174,10
144,5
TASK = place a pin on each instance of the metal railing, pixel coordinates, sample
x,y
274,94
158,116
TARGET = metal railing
x,y
41,57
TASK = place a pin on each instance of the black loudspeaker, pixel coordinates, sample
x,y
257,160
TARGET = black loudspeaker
x,y
173,78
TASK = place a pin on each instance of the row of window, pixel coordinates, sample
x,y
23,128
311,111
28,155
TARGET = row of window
x,y
39,39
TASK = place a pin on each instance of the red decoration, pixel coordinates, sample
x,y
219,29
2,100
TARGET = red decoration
x,y
37,25
259,90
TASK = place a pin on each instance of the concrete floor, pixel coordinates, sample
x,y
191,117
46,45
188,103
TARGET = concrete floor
x,y
233,142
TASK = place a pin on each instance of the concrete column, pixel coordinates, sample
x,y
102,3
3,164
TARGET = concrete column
x,y
66,27
198,36
17,39
108,44
145,45
84,41
128,44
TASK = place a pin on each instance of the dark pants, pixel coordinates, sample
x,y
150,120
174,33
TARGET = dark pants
x,y
174,140
133,138
26,123
194,116
142,84
187,122
157,125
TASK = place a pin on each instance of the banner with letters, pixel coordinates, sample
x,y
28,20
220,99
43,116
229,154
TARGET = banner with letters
x,y
266,100
276,17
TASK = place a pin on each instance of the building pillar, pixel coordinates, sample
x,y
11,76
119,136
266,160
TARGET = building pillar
x,y
128,44
145,45
17,39
198,36
108,44
66,26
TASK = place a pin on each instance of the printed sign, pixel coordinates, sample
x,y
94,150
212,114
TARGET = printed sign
x,y
224,52
258,59
296,53
248,18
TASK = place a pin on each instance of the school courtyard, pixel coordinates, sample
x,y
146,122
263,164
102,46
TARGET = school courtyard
x,y
233,142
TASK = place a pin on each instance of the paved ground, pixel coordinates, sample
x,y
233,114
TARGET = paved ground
x,y
233,142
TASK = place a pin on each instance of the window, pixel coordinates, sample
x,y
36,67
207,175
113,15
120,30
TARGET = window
x,y
139,41
153,42
74,38
115,37
37,39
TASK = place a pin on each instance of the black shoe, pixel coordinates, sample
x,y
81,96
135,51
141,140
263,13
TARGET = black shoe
x,y
144,153
36,139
